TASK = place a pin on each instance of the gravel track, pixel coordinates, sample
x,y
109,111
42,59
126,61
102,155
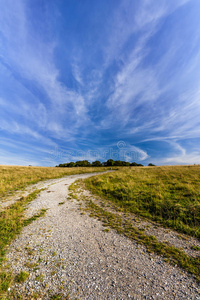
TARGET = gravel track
x,y
69,253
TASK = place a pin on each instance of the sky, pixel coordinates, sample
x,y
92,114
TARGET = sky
x,y
99,80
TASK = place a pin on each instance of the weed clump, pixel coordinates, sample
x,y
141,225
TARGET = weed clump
x,y
22,276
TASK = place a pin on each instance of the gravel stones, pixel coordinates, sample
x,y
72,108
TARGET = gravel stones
x,y
68,253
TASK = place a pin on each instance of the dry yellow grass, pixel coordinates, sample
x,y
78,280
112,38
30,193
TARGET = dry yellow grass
x,y
14,178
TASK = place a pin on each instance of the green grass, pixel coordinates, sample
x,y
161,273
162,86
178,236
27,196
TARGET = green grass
x,y
22,276
59,296
167,195
40,278
196,248
170,254
11,223
5,280
12,220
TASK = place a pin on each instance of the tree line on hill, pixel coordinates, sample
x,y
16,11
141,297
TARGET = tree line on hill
x,y
97,163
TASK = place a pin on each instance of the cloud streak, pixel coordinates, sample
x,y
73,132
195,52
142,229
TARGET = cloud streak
x,y
34,63
89,81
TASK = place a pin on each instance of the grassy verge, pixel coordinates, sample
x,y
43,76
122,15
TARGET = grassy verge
x,y
167,195
11,223
14,178
171,254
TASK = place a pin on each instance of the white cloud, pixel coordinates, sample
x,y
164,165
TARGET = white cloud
x,y
35,62
10,158
62,112
181,121
189,159
136,84
14,151
182,158
13,127
135,17
177,153
77,73
134,154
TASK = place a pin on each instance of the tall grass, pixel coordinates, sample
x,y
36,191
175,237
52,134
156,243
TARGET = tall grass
x,y
13,178
168,195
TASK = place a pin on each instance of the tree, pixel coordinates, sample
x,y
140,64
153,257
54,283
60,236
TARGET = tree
x,y
134,164
125,163
63,165
82,163
96,163
151,165
117,163
110,162
71,164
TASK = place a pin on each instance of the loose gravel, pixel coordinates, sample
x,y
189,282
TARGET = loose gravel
x,y
67,252
162,234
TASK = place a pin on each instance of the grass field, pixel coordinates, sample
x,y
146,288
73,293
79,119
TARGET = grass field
x,y
14,178
12,220
168,195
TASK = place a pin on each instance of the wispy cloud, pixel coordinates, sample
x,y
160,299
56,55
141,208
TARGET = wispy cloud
x,y
23,153
125,23
9,158
133,18
77,73
138,84
35,62
136,80
180,155
116,151
189,159
24,131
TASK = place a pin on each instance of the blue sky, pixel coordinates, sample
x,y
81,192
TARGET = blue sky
x,y
84,79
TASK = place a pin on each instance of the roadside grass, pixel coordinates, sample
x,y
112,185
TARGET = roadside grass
x,y
59,296
167,195
170,254
14,178
12,220
196,248
11,223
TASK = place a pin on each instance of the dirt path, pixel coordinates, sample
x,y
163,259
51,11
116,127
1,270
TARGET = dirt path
x,y
67,252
